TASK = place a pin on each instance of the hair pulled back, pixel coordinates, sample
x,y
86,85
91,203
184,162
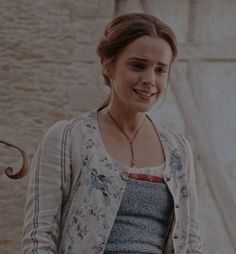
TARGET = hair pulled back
x,y
124,29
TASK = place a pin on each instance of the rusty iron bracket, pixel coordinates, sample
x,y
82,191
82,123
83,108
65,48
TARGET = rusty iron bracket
x,y
24,167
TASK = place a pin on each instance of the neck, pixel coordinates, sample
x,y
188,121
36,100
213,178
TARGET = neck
x,y
128,121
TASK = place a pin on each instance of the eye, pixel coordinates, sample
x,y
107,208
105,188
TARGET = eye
x,y
161,70
137,66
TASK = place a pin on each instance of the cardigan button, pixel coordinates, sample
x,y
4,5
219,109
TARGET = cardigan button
x,y
177,206
176,236
184,191
167,178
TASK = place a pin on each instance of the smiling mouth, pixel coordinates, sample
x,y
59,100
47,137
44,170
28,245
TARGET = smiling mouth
x,y
144,93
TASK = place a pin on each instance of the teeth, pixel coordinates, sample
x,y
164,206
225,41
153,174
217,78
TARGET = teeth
x,y
143,92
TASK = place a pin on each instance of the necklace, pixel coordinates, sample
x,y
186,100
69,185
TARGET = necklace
x,y
129,139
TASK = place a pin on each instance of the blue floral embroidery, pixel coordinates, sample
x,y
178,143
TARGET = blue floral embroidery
x,y
106,163
91,126
100,246
119,194
175,162
85,160
96,211
77,214
90,144
100,182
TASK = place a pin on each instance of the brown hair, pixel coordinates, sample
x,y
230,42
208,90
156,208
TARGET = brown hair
x,y
126,28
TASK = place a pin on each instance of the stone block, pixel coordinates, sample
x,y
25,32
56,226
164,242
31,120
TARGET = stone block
x,y
174,13
90,9
215,21
84,98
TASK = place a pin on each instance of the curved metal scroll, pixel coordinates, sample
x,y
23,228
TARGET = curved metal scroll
x,y
24,167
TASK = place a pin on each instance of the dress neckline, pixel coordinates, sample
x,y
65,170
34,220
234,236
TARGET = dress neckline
x,y
124,166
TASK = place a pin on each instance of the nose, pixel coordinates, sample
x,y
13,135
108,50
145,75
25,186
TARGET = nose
x,y
149,77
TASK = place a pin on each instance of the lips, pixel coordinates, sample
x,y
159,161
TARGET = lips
x,y
144,93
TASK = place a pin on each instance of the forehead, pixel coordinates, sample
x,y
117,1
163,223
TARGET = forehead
x,y
152,49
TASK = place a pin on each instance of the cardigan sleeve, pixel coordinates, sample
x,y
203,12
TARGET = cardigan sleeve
x,y
47,187
194,240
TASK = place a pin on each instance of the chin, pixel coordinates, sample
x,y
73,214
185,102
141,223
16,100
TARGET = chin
x,y
144,108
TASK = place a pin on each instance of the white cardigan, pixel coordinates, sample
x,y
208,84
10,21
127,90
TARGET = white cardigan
x,y
75,190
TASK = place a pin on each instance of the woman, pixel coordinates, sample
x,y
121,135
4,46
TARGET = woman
x,y
110,180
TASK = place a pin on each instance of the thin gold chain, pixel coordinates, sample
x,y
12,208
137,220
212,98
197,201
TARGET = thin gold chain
x,y
129,139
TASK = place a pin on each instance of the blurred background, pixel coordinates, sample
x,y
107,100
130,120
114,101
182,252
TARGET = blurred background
x,y
49,71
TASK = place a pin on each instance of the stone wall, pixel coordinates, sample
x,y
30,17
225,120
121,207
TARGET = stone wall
x,y
49,71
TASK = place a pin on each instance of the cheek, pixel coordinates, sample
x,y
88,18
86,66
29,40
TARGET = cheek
x,y
127,77
163,82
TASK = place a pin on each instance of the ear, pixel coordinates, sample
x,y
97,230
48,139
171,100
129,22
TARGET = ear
x,y
106,71
105,64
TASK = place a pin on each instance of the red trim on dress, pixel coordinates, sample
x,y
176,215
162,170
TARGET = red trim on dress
x,y
146,177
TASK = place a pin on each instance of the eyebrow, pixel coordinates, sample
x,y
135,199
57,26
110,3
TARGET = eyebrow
x,y
144,60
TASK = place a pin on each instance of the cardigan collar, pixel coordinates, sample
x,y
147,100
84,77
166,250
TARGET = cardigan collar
x,y
174,166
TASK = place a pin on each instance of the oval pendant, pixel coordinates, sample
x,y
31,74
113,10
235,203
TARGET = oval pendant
x,y
132,162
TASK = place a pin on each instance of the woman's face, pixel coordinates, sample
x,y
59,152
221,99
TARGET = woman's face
x,y
140,75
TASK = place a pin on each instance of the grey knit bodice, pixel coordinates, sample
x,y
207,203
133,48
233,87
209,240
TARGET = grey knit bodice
x,y
143,219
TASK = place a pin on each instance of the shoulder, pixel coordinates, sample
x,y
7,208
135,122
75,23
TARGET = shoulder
x,y
179,144
176,137
63,128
